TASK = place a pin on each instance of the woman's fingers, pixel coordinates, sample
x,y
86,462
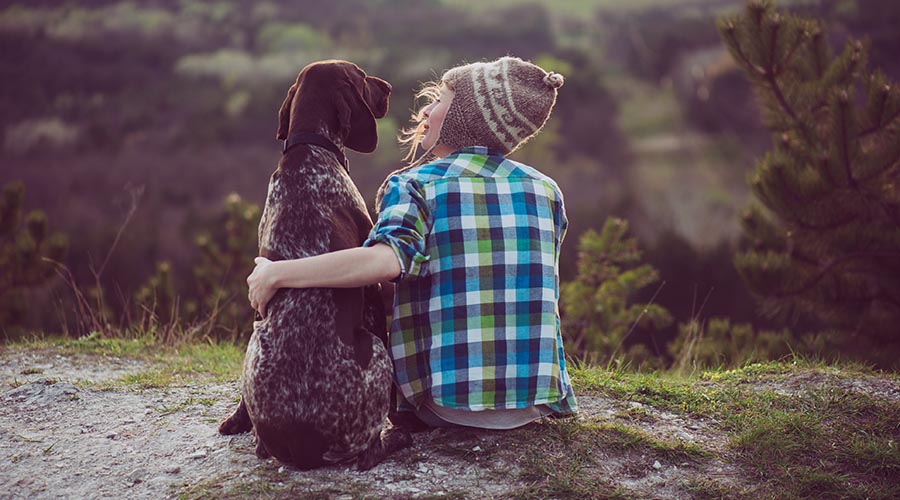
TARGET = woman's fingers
x,y
259,294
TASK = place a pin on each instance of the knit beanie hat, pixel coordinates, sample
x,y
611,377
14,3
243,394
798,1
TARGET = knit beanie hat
x,y
499,104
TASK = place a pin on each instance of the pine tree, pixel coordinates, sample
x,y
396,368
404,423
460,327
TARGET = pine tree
x,y
824,240
599,313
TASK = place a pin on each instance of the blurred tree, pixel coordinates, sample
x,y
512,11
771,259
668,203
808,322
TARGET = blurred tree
x,y
599,313
587,114
27,255
826,241
226,261
651,42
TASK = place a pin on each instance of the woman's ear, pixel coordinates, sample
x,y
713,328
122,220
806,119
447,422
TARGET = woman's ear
x,y
284,114
356,120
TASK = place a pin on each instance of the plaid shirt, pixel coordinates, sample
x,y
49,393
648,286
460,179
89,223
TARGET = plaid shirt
x,y
475,322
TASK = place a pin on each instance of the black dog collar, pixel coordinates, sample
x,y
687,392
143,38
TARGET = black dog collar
x,y
317,140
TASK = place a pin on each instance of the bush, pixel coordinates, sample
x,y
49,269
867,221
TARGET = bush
x,y
27,255
718,343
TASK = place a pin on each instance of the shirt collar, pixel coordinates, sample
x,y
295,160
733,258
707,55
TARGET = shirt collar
x,y
477,150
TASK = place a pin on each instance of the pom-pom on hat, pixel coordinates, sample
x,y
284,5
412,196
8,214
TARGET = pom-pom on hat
x,y
499,104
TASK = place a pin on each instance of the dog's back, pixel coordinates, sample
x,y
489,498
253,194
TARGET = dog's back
x,y
317,375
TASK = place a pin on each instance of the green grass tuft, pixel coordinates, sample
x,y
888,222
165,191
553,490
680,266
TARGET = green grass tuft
x,y
169,364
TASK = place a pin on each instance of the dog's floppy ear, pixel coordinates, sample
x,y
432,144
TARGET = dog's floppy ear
x,y
356,120
284,114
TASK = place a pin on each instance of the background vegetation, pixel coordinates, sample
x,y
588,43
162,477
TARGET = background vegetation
x,y
145,131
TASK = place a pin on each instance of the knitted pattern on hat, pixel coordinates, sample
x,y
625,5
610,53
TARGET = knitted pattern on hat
x,y
499,104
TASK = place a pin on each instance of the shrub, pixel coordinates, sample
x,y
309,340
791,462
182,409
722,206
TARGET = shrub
x,y
27,255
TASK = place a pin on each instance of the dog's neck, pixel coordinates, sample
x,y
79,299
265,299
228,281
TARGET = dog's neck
x,y
320,128
326,132
321,137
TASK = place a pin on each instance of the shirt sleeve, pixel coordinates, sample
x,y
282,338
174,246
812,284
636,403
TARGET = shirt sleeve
x,y
559,219
404,221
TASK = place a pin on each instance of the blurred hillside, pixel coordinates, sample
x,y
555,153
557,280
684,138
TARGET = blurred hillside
x,y
655,124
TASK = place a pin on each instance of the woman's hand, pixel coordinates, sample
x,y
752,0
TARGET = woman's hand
x,y
262,285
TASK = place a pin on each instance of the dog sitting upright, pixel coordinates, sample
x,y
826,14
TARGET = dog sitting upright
x,y
317,378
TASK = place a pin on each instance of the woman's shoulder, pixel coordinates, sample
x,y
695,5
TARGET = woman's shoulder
x,y
523,170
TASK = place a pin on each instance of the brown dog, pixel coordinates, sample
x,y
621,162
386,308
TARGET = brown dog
x,y
317,376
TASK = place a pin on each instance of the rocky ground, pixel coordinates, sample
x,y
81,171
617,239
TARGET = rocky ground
x,y
70,429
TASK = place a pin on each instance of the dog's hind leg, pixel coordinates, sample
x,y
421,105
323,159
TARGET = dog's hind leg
x,y
261,451
389,442
238,422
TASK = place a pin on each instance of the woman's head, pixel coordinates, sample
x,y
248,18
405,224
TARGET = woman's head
x,y
499,104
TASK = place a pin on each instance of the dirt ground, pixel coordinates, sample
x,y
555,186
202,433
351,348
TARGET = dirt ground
x,y
68,431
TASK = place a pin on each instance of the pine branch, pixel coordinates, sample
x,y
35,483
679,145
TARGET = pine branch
x,y
782,101
830,265
880,125
773,41
826,227
820,64
790,55
843,101
730,31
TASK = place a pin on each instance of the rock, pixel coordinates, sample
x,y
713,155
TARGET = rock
x,y
281,469
198,454
657,465
476,449
172,469
112,435
43,392
137,475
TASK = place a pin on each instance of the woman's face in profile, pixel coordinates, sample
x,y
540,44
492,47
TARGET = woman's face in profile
x,y
434,117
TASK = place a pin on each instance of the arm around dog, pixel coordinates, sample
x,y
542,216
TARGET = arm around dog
x,y
349,268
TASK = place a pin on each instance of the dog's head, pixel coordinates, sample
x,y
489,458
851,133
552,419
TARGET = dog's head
x,y
347,98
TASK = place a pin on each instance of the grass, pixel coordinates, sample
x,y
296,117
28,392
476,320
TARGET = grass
x,y
792,429
168,365
814,439
579,459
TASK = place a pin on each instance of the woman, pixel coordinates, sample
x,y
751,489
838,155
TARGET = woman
x,y
472,241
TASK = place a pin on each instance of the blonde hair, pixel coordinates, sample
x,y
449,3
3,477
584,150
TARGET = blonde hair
x,y
411,137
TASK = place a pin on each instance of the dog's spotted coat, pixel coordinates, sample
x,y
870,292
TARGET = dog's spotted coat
x,y
317,377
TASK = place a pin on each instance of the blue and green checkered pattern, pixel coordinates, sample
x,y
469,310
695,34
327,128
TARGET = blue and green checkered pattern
x,y
476,321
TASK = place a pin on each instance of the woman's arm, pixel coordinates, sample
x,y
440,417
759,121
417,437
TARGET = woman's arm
x,y
350,268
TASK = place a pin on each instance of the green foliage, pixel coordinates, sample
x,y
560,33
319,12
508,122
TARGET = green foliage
x,y
718,343
226,259
27,254
217,304
170,363
825,242
599,313
155,302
